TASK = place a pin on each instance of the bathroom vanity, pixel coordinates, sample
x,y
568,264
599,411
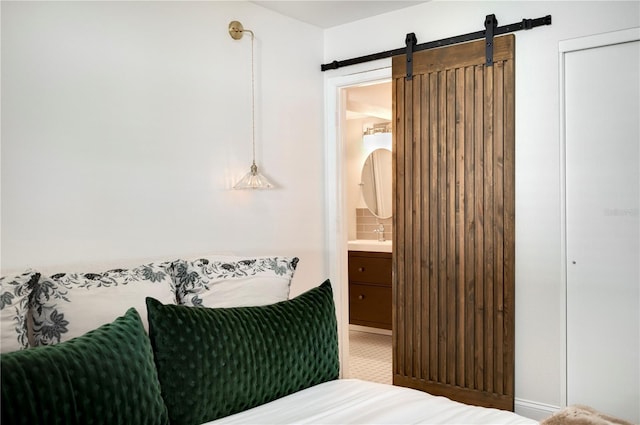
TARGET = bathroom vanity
x,y
370,287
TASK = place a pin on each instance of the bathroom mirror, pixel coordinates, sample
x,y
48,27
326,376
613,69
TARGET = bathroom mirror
x,y
376,183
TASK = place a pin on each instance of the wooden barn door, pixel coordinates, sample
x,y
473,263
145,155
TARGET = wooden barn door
x,y
453,256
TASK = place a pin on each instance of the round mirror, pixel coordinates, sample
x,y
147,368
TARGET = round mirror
x,y
376,183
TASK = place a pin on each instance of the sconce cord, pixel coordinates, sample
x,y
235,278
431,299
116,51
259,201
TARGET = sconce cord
x,y
253,101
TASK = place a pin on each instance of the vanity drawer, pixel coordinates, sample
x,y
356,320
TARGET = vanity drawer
x,y
370,267
370,305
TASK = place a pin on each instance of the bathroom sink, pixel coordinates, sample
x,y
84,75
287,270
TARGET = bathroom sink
x,y
369,245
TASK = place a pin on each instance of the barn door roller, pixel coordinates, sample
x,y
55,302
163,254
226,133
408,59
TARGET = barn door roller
x,y
490,24
410,41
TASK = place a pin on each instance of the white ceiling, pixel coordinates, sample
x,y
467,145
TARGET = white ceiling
x,y
328,13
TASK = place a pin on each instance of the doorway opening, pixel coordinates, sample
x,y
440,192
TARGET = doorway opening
x,y
356,104
368,182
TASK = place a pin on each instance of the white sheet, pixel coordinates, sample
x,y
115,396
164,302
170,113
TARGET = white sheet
x,y
352,401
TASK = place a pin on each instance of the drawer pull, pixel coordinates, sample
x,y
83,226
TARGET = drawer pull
x,y
361,297
360,269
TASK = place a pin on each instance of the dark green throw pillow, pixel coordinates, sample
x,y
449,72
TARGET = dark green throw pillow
x,y
106,376
213,362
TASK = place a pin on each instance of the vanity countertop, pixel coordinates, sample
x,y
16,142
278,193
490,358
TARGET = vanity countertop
x,y
369,245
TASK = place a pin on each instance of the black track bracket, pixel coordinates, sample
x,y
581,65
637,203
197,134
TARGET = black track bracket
x,y
490,25
410,42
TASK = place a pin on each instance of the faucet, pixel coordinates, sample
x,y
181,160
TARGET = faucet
x,y
380,232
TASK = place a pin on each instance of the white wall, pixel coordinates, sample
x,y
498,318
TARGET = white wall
x,y
539,310
125,125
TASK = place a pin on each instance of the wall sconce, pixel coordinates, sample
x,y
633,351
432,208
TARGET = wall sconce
x,y
253,179
378,136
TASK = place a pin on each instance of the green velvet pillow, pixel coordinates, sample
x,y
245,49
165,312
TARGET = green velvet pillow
x,y
213,362
106,376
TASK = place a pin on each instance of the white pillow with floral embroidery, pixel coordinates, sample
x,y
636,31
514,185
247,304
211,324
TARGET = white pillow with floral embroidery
x,y
233,282
14,307
67,305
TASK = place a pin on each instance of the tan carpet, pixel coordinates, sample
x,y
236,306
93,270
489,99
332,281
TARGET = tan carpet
x,y
370,357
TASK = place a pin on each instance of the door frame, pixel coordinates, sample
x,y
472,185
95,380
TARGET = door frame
x,y
336,219
565,47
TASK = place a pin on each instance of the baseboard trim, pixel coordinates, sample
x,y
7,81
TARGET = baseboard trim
x,y
533,409
370,330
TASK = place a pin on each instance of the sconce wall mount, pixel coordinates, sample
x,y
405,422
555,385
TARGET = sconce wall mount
x,y
236,30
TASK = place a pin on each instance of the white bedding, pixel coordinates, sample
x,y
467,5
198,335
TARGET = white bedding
x,y
352,401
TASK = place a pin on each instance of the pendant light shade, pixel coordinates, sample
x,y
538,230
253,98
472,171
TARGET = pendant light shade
x,y
253,179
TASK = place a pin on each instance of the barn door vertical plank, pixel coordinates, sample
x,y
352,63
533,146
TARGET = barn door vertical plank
x,y
398,256
489,234
509,227
498,163
425,269
469,229
458,232
409,231
479,226
445,238
416,195
434,223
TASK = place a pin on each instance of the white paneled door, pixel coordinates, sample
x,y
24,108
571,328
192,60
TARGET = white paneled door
x,y
601,76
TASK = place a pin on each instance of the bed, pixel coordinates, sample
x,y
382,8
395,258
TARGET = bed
x,y
353,401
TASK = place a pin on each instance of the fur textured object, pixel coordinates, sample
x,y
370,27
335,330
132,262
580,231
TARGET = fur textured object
x,y
582,415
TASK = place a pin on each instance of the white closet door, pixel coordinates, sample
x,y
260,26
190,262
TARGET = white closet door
x,y
602,141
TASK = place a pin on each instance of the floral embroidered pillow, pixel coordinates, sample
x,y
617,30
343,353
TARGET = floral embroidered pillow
x,y
14,307
233,282
68,305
